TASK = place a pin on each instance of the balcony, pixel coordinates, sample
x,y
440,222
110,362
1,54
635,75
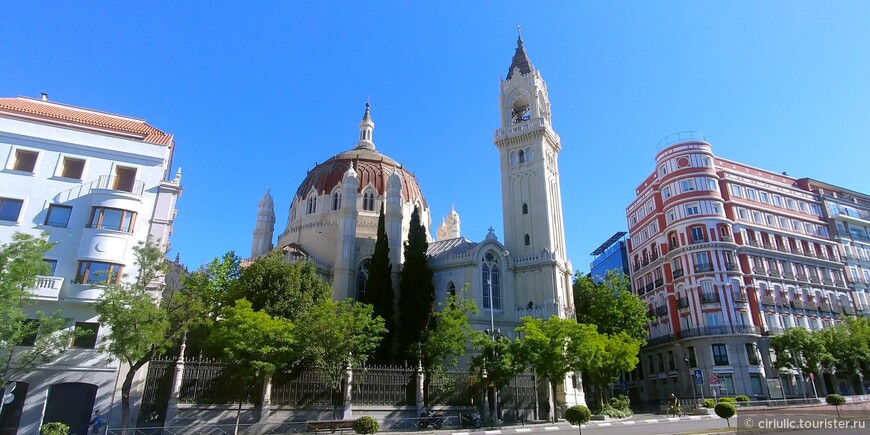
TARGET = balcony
x,y
759,270
836,308
801,277
746,329
645,262
683,303
811,305
650,313
827,281
848,309
667,338
815,280
857,214
709,298
677,273
788,275
672,246
731,267
726,238
773,331
768,300
662,311
839,283
654,256
696,241
797,304
700,268
740,297
649,287
660,282
825,307
705,331
47,288
773,272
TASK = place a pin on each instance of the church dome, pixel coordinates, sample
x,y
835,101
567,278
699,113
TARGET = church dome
x,y
372,168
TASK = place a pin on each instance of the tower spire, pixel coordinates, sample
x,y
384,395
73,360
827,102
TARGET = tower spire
x,y
365,129
521,59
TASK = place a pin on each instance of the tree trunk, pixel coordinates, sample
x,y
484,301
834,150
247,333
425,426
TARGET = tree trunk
x,y
238,418
125,391
553,401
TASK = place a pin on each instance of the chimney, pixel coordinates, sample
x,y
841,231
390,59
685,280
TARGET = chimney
x,y
44,96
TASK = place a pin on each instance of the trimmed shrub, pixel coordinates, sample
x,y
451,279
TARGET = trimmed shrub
x,y
54,428
836,400
578,414
612,412
727,400
620,402
709,403
742,398
366,425
726,410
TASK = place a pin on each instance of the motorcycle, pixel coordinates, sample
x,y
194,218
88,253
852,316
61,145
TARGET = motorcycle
x,y
471,420
429,419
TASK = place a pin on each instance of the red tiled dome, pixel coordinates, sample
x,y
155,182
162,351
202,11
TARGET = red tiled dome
x,y
372,168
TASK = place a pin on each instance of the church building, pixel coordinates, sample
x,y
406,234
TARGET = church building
x,y
334,214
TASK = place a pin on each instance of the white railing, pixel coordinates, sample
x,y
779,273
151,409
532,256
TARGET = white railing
x,y
47,287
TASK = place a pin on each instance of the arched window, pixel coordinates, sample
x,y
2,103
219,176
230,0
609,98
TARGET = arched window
x,y
491,282
451,288
529,154
336,200
525,208
312,203
369,201
362,276
521,156
527,240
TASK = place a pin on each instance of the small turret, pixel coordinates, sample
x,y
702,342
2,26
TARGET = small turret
x,y
366,126
265,227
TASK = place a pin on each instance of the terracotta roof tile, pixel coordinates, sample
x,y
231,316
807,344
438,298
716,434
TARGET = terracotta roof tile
x,y
55,113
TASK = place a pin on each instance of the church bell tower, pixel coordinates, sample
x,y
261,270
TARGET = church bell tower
x,y
531,196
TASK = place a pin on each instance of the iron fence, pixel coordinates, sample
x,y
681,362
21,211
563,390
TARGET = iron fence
x,y
304,388
156,392
211,381
451,388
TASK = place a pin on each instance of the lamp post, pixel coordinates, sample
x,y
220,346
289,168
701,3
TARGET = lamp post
x,y
492,333
483,376
691,381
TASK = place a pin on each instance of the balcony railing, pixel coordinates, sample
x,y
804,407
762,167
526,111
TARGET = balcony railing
x,y
773,272
740,297
672,246
699,268
746,329
660,340
827,281
848,309
709,298
773,331
811,305
731,267
696,241
726,238
788,275
47,287
122,184
661,311
797,304
645,262
768,300
718,330
677,273
825,307
801,277
759,270
836,308
660,282
650,313
683,302
815,280
649,287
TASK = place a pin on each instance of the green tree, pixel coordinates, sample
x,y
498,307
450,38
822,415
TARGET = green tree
x,y
836,400
802,349
254,340
618,354
281,288
339,335
452,334
20,264
610,305
416,292
214,284
555,346
140,324
379,291
848,343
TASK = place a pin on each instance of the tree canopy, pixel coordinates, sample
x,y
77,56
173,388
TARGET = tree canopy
x,y
379,290
281,288
255,340
610,305
617,353
416,292
452,334
21,262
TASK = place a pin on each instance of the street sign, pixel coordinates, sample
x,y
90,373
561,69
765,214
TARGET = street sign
x,y
699,377
714,380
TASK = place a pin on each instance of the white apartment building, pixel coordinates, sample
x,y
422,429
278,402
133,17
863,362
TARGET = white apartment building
x,y
97,184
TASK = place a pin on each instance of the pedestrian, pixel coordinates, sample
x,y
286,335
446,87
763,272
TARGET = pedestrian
x,y
97,423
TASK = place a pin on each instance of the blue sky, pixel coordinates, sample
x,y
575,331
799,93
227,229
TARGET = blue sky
x,y
256,93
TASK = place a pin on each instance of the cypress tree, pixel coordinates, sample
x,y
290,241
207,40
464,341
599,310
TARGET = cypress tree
x,y
416,292
379,291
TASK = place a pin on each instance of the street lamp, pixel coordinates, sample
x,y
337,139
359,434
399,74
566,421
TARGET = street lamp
x,y
483,376
492,335
691,381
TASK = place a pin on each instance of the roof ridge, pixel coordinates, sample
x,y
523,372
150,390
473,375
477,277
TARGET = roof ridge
x,y
81,109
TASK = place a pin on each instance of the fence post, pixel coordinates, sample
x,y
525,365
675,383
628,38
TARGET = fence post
x,y
266,399
420,396
348,394
175,392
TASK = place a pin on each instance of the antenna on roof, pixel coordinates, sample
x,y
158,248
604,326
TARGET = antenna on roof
x,y
44,96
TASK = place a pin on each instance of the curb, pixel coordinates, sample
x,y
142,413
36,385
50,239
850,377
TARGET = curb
x,y
552,427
